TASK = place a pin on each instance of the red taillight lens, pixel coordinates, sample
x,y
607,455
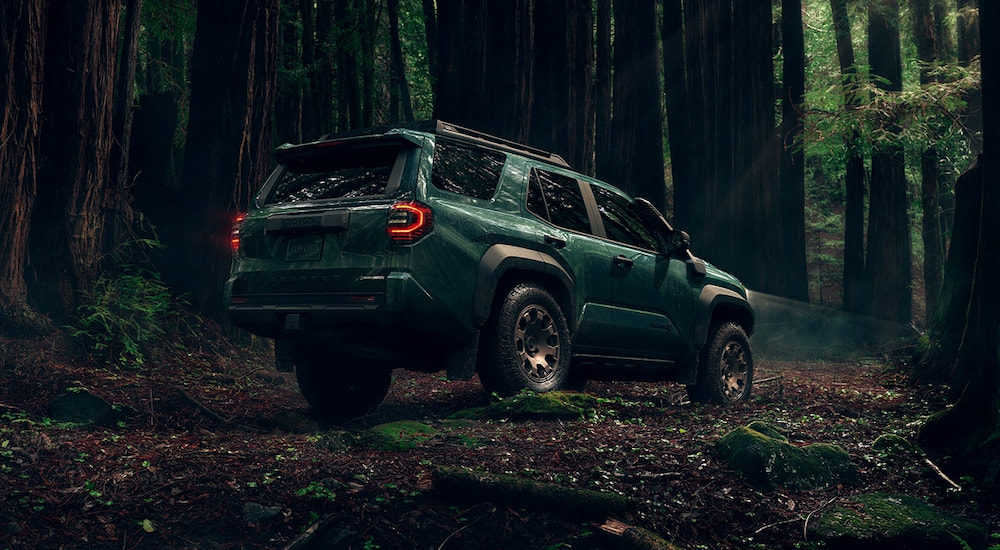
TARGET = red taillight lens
x,y
234,240
409,221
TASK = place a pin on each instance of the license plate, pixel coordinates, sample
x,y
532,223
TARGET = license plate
x,y
304,249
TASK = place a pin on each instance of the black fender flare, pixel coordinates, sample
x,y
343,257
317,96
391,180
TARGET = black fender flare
x,y
500,259
710,299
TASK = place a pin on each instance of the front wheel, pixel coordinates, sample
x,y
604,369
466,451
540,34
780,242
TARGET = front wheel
x,y
725,367
340,388
526,344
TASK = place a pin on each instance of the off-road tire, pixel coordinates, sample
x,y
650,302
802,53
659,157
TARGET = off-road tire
x,y
340,388
725,367
526,343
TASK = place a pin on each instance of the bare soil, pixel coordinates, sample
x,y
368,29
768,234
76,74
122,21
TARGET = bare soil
x,y
219,451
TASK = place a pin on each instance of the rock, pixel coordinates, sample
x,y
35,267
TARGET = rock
x,y
894,521
891,443
82,407
256,513
769,462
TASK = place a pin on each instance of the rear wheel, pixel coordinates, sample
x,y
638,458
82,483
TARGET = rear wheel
x,y
526,344
725,367
341,388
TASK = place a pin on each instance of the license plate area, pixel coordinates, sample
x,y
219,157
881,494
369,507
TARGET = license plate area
x,y
304,248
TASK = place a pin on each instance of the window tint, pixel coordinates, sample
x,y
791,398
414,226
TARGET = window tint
x,y
557,198
466,170
336,174
620,221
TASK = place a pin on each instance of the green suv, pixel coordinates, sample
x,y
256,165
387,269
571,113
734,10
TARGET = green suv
x,y
434,247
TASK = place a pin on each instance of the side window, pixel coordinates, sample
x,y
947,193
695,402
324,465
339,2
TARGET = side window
x,y
466,170
557,199
620,221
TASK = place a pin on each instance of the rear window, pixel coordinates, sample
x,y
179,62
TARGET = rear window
x,y
336,174
466,170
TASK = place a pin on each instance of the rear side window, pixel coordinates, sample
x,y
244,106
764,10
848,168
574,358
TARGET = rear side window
x,y
557,198
336,174
466,170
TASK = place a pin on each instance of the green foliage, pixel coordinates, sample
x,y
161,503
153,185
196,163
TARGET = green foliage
x,y
125,311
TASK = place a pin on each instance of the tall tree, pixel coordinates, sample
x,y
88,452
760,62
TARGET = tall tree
x,y
856,291
637,154
22,41
968,23
791,196
679,117
969,432
603,84
399,95
228,145
888,252
925,32
67,226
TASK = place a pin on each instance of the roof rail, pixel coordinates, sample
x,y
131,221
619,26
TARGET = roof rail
x,y
454,130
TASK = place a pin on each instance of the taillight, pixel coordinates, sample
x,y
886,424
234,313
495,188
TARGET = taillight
x,y
234,240
409,221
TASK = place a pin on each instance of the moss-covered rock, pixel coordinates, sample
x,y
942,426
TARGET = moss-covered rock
x,y
769,462
891,443
894,521
397,436
541,406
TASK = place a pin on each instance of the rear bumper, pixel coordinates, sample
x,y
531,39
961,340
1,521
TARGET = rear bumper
x,y
399,305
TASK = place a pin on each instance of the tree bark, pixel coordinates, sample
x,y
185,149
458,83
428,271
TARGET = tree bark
x,y
791,196
603,84
888,263
228,146
67,225
637,150
856,290
22,39
119,216
400,89
925,32
682,148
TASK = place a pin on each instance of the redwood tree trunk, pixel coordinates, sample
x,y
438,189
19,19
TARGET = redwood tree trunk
x,y
888,266
67,225
228,146
22,39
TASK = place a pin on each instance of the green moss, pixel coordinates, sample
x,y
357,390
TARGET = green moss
x,y
551,405
397,436
891,443
895,521
771,462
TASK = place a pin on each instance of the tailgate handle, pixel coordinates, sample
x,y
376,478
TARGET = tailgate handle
x,y
337,220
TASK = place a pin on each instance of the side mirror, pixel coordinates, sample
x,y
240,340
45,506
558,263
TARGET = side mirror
x,y
673,240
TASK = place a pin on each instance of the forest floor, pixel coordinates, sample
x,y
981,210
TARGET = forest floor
x,y
218,450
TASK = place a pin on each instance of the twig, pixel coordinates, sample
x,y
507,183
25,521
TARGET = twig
x,y
771,379
770,525
805,525
460,529
214,415
938,471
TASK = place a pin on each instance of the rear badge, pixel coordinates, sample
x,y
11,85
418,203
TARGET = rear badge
x,y
304,249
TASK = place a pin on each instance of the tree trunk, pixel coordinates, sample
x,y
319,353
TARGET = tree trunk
x,y
968,23
289,103
119,216
791,196
228,146
888,266
67,225
682,147
431,34
603,85
925,31
970,431
637,135
400,89
22,39
856,290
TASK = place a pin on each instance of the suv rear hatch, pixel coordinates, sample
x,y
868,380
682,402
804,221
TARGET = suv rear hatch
x,y
317,243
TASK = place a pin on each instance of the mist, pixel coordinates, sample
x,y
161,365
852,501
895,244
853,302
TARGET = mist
x,y
793,330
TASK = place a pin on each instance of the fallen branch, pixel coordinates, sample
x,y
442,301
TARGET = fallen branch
x,y
214,415
944,476
518,492
631,537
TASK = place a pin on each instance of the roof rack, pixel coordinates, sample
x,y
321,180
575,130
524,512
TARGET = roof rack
x,y
454,130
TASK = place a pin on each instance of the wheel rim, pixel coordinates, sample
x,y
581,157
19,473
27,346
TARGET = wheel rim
x,y
735,371
536,342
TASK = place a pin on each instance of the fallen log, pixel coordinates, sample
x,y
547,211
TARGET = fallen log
x,y
517,492
630,537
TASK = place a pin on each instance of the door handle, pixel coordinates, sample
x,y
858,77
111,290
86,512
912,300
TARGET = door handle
x,y
623,261
555,241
